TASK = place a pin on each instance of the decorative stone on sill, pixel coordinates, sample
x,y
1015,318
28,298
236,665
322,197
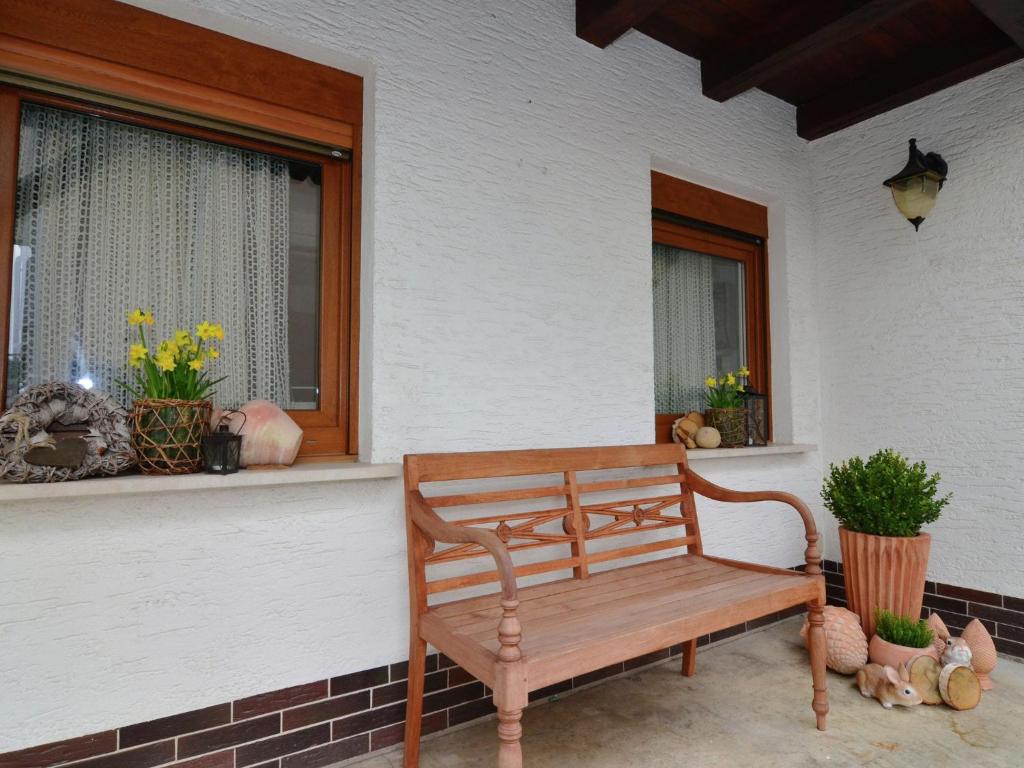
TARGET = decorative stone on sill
x,y
313,472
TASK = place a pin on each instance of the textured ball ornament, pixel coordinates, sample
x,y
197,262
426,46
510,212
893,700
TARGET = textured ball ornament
x,y
846,645
708,437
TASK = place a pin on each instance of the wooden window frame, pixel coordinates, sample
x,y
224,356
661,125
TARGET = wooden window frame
x,y
677,204
170,75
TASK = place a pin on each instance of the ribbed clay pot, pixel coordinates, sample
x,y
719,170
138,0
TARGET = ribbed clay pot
x,y
884,572
883,652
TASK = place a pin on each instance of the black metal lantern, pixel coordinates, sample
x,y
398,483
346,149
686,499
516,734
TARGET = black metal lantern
x,y
757,417
915,188
222,449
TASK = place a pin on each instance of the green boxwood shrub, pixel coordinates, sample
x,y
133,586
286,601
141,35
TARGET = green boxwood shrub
x,y
902,630
884,496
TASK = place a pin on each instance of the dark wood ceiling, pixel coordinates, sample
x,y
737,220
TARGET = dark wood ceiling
x,y
838,61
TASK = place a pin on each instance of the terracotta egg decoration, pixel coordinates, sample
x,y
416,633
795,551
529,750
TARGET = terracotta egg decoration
x,y
846,645
983,652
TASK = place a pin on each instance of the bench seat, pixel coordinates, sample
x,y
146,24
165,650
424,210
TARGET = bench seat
x,y
542,514
617,614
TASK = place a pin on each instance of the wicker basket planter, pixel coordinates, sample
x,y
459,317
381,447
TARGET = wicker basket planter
x,y
168,435
731,424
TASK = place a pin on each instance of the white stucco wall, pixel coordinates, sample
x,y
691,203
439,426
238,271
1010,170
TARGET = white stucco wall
x,y
507,304
921,333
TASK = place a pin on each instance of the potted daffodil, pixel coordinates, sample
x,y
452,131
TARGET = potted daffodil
x,y
172,386
725,411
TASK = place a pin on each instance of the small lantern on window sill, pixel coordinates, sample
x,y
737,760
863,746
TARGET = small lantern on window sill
x,y
757,417
222,449
915,188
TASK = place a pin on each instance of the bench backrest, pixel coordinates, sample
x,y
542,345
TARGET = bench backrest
x,y
589,499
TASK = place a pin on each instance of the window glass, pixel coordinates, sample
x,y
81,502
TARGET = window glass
x,y
699,324
111,216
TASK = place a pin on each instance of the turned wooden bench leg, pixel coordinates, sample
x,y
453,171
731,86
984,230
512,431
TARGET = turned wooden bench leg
x,y
690,658
510,690
816,638
414,702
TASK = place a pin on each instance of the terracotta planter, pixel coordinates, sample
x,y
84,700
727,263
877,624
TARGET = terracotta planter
x,y
884,572
883,652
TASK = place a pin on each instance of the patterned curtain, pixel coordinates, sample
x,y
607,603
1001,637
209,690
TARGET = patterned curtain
x,y
116,217
684,328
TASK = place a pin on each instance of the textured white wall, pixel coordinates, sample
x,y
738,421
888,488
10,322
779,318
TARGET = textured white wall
x,y
507,304
921,333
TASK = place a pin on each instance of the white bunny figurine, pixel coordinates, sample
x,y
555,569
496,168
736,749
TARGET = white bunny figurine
x,y
957,652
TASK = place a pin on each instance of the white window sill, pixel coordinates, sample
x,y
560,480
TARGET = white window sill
x,y
750,452
313,472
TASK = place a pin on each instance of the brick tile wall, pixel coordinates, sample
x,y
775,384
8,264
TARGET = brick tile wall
x,y
314,724
1002,615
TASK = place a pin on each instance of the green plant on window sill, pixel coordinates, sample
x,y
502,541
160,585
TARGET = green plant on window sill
x,y
727,390
885,496
902,630
177,370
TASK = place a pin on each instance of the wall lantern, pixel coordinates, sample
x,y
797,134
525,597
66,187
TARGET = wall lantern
x,y
915,188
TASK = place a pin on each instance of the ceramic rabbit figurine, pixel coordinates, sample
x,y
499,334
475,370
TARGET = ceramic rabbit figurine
x,y
957,651
887,685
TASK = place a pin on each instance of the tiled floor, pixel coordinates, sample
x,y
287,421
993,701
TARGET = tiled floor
x,y
749,705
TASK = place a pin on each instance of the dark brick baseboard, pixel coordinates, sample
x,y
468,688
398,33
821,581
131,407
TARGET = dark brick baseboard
x,y
315,724
1002,615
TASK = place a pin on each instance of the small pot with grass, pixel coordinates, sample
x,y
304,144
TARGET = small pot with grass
x,y
900,639
881,505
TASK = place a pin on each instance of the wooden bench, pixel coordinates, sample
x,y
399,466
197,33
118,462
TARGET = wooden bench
x,y
528,637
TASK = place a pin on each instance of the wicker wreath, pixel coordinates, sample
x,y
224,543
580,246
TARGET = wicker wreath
x,y
23,427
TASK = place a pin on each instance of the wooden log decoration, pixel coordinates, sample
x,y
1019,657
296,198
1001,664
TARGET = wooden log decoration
x,y
924,676
959,687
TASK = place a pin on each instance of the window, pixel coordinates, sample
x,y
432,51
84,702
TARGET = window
x,y
151,175
709,303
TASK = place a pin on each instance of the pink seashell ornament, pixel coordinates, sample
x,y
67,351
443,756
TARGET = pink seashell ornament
x,y
846,646
983,652
269,435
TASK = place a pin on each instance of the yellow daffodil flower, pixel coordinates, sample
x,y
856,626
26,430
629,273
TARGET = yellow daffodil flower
x,y
710,381
213,352
207,331
730,380
744,372
218,331
168,346
138,316
196,365
183,338
164,361
740,389
136,354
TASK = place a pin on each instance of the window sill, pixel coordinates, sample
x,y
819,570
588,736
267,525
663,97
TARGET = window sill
x,y
325,472
702,454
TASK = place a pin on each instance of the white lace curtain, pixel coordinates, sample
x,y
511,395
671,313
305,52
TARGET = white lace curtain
x,y
684,328
118,217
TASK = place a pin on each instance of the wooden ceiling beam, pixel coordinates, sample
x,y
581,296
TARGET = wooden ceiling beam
x,y
916,75
1008,15
794,37
602,22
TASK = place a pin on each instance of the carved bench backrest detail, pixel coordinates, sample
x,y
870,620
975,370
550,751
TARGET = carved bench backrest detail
x,y
593,494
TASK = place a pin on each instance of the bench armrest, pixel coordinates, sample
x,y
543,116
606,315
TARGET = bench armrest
x,y
706,488
428,521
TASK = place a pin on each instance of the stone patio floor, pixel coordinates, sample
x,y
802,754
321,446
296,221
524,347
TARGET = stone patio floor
x,y
748,705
